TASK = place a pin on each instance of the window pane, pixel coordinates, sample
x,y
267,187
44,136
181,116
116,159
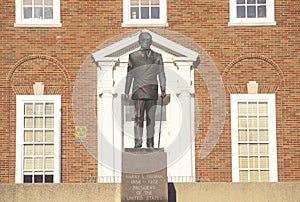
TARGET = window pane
x,y
48,13
263,122
48,2
264,176
242,122
27,12
240,1
242,108
27,178
49,163
38,2
252,122
264,162
28,109
28,163
38,136
252,108
38,122
134,2
134,13
144,2
253,149
250,1
49,108
38,12
254,176
155,12
28,122
38,177
48,177
243,176
261,1
155,2
28,150
253,135
264,149
241,12
263,108
253,161
28,136
38,109
262,11
145,12
243,149
49,136
49,122
263,135
49,149
38,163
243,135
27,2
38,150
251,11
243,162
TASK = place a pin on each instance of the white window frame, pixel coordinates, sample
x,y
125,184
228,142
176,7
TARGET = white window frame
x,y
270,99
20,22
20,101
268,21
128,22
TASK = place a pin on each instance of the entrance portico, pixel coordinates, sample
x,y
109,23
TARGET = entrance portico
x,y
115,124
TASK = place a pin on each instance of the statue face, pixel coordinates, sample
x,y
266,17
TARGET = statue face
x,y
145,41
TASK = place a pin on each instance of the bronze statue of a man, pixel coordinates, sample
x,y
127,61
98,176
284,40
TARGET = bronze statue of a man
x,y
145,67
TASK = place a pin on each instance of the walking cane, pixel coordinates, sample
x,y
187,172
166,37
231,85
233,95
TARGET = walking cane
x,y
161,110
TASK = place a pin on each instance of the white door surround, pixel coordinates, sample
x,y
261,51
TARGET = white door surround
x,y
115,133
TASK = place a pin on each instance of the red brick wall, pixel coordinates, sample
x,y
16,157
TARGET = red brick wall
x,y
268,54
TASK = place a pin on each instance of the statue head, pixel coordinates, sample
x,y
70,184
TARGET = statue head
x,y
145,40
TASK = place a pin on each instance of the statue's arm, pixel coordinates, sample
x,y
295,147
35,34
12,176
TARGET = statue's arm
x,y
162,76
129,76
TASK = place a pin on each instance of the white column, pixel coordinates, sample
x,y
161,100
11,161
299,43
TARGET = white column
x,y
186,137
118,136
106,154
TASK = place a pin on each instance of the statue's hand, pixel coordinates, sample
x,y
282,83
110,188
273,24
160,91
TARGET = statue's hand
x,y
163,94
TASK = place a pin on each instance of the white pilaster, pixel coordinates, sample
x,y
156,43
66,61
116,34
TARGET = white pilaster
x,y
106,153
186,137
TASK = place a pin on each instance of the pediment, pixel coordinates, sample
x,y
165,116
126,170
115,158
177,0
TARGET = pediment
x,y
117,51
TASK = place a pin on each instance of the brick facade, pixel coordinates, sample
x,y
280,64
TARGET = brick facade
x,y
55,56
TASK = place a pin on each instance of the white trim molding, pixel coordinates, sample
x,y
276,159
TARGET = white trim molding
x,y
128,21
37,22
269,20
253,135
41,135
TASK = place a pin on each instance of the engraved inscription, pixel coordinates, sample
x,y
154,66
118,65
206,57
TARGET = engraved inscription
x,y
143,187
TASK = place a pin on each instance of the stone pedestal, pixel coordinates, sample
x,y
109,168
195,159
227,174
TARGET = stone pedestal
x,y
144,175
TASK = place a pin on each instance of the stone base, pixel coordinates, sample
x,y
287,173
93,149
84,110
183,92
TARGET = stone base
x,y
144,175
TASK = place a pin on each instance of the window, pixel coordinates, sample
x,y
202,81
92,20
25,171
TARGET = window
x,y
38,13
253,125
252,12
38,139
144,12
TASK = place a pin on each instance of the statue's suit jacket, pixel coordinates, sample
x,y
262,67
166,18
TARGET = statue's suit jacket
x,y
143,70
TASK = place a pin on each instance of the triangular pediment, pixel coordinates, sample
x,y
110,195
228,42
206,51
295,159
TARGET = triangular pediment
x,y
127,45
